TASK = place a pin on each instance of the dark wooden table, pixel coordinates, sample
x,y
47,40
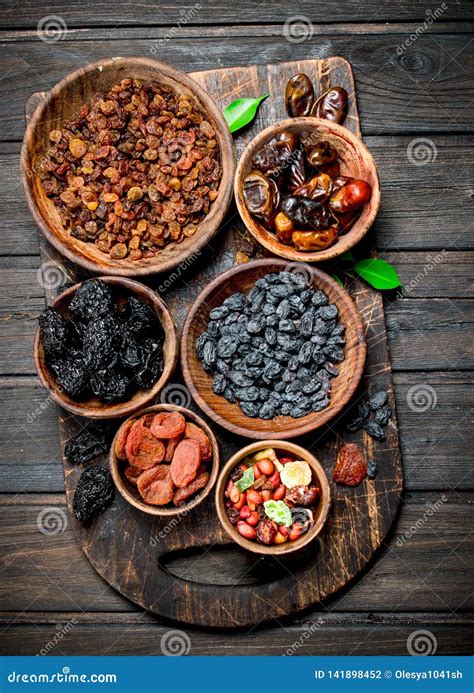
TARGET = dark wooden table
x,y
415,75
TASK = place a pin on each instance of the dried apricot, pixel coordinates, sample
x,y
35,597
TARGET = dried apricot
x,y
168,424
142,448
185,462
121,439
156,486
193,432
182,494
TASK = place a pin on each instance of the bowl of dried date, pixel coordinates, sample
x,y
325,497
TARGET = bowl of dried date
x,y
272,349
307,189
164,460
273,497
127,166
106,347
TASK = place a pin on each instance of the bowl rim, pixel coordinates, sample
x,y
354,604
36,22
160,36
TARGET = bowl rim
x,y
349,239
322,417
274,549
156,510
227,161
119,409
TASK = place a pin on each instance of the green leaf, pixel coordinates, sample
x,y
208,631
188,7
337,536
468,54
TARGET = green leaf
x,y
242,112
246,480
279,512
336,278
378,273
347,256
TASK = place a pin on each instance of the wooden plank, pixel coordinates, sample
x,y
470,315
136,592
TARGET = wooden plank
x,y
421,89
410,217
125,12
431,334
434,274
71,637
434,442
426,572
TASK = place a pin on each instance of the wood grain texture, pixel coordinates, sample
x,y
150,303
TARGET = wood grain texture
x,y
137,569
124,12
420,90
427,572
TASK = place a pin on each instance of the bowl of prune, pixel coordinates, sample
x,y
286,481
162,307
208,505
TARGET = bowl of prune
x,y
164,460
273,349
106,347
273,497
307,189
127,166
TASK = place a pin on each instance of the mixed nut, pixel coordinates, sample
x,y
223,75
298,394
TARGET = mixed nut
x,y
137,169
167,457
274,350
271,497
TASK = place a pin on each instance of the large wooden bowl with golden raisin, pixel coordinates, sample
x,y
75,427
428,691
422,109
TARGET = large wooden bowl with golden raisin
x,y
355,161
91,247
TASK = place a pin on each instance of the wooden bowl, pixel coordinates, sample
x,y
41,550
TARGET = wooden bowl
x,y
320,513
64,101
229,415
93,407
130,493
356,161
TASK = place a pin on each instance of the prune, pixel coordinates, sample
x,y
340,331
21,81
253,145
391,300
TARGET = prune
x,y
129,353
374,430
109,385
332,105
383,415
53,333
101,343
305,213
88,444
139,317
71,376
94,493
299,95
91,300
151,363
378,400
372,469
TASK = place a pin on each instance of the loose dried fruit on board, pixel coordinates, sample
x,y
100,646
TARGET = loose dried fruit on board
x,y
137,169
94,493
88,444
351,467
99,350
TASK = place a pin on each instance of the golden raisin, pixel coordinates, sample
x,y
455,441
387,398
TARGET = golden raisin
x,y
134,194
77,147
119,251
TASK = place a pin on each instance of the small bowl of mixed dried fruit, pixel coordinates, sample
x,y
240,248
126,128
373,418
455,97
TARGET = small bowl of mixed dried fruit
x,y
127,166
273,497
164,460
106,347
307,189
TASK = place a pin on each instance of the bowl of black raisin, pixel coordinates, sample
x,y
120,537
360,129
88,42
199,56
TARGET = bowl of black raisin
x,y
105,347
272,349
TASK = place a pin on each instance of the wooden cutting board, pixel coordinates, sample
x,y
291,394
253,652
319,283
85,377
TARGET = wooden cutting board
x,y
187,570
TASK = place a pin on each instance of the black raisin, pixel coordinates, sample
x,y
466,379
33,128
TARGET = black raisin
x,y
372,469
378,400
383,415
374,430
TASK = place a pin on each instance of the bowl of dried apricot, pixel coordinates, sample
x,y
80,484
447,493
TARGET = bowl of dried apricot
x,y
127,166
273,497
164,460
